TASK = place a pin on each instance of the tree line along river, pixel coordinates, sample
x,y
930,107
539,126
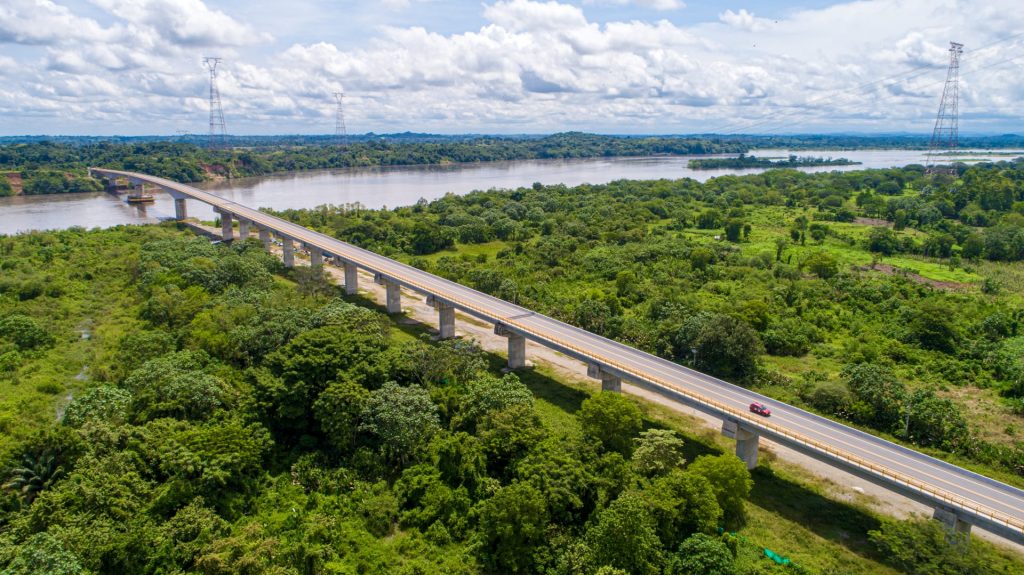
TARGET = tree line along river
x,y
399,186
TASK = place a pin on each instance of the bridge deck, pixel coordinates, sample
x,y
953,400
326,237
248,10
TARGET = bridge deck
x,y
982,501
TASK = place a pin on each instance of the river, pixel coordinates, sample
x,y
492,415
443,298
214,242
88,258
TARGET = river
x,y
397,186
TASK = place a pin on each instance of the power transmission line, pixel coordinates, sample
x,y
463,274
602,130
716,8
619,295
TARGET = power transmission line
x,y
744,126
218,130
946,133
340,132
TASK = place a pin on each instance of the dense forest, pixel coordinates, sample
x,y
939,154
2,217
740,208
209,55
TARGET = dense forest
x,y
744,161
889,299
48,167
217,413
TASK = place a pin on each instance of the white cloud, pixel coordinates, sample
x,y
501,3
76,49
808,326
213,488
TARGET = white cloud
x,y
655,4
529,66
184,22
743,20
43,22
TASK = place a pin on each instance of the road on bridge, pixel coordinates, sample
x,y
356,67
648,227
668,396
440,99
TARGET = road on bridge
x,y
979,500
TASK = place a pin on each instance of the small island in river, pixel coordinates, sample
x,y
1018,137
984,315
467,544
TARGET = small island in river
x,y
745,161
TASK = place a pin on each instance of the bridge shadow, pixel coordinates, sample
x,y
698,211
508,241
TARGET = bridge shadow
x,y
836,521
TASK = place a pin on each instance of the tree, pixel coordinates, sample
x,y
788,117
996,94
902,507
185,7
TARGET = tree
x,y
313,281
338,409
780,246
427,238
883,240
935,421
879,395
682,503
558,473
24,332
460,459
509,434
932,326
701,258
623,537
488,393
102,403
44,553
511,525
658,451
822,264
174,385
726,346
701,554
922,547
733,229
729,479
402,418
139,346
611,419
973,247
38,472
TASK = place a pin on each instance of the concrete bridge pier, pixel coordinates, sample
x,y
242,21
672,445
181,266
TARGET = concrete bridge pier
x,y
516,346
227,231
265,238
393,299
316,256
955,525
746,442
446,317
288,249
351,278
243,229
180,210
609,381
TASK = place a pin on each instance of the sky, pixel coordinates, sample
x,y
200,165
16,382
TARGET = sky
x,y
135,67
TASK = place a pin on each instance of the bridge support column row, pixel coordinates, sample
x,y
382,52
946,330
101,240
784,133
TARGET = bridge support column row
x,y
288,249
746,442
393,297
316,256
180,210
609,381
516,346
445,317
265,238
227,231
957,527
351,279
243,229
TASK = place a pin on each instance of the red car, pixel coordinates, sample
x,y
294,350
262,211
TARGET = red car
x,y
760,409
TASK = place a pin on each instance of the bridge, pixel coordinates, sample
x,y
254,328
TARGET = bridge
x,y
959,497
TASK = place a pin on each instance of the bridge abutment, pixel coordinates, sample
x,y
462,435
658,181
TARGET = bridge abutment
x,y
746,442
351,278
609,381
288,250
516,346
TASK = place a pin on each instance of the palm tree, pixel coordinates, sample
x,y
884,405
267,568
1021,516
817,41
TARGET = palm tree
x,y
38,473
